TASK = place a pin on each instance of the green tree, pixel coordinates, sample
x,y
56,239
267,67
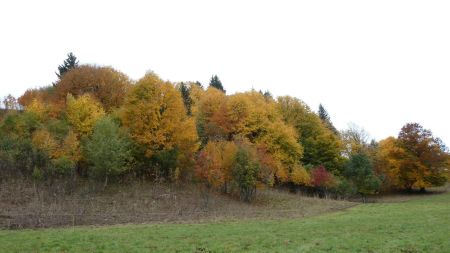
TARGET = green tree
x,y
107,150
216,83
70,63
321,146
359,170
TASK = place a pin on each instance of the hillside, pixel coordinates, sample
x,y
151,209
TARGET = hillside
x,y
23,205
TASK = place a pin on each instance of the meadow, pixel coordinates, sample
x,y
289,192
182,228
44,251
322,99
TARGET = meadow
x,y
418,225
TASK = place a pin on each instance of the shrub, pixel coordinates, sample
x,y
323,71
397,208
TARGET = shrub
x,y
245,173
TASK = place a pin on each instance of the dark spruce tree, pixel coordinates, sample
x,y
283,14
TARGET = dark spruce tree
x,y
199,84
216,83
68,64
186,95
323,114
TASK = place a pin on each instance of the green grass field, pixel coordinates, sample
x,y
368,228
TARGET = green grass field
x,y
421,225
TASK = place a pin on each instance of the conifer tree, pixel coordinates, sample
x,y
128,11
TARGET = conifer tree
x,y
186,95
325,117
216,83
68,64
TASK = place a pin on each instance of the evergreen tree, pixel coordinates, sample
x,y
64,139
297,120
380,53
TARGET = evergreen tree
x,y
186,95
323,115
199,84
69,63
216,83
359,170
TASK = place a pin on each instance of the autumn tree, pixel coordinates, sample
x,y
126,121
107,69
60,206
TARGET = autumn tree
x,y
214,164
107,151
322,179
83,112
216,83
105,84
425,159
10,103
208,117
155,116
388,164
355,139
300,176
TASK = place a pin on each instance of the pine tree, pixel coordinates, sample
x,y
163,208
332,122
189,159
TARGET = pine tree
x,y
69,63
187,100
323,115
216,83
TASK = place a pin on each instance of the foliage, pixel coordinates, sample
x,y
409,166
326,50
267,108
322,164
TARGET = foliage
x,y
155,129
325,117
355,139
155,116
321,147
108,150
185,91
216,83
105,84
62,166
245,172
359,170
83,112
215,162
425,157
321,178
300,176
10,103
70,63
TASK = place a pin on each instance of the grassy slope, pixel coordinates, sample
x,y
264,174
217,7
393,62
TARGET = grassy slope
x,y
421,225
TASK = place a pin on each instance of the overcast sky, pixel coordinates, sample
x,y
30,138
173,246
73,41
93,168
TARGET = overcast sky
x,y
378,64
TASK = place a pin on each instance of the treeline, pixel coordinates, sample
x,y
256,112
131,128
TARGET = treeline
x,y
94,122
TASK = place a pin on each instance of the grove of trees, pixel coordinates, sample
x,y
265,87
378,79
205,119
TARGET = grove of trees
x,y
96,123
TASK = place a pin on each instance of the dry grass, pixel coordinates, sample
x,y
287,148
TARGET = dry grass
x,y
23,205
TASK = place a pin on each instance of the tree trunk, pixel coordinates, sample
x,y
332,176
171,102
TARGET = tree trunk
x,y
106,182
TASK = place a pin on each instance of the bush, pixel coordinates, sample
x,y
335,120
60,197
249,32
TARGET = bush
x,y
61,166
245,174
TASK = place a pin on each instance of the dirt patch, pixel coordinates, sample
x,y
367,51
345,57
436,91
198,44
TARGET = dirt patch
x,y
25,205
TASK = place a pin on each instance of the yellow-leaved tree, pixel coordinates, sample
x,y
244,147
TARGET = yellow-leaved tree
x,y
156,118
83,112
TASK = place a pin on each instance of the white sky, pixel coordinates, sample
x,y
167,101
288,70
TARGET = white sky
x,y
378,64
